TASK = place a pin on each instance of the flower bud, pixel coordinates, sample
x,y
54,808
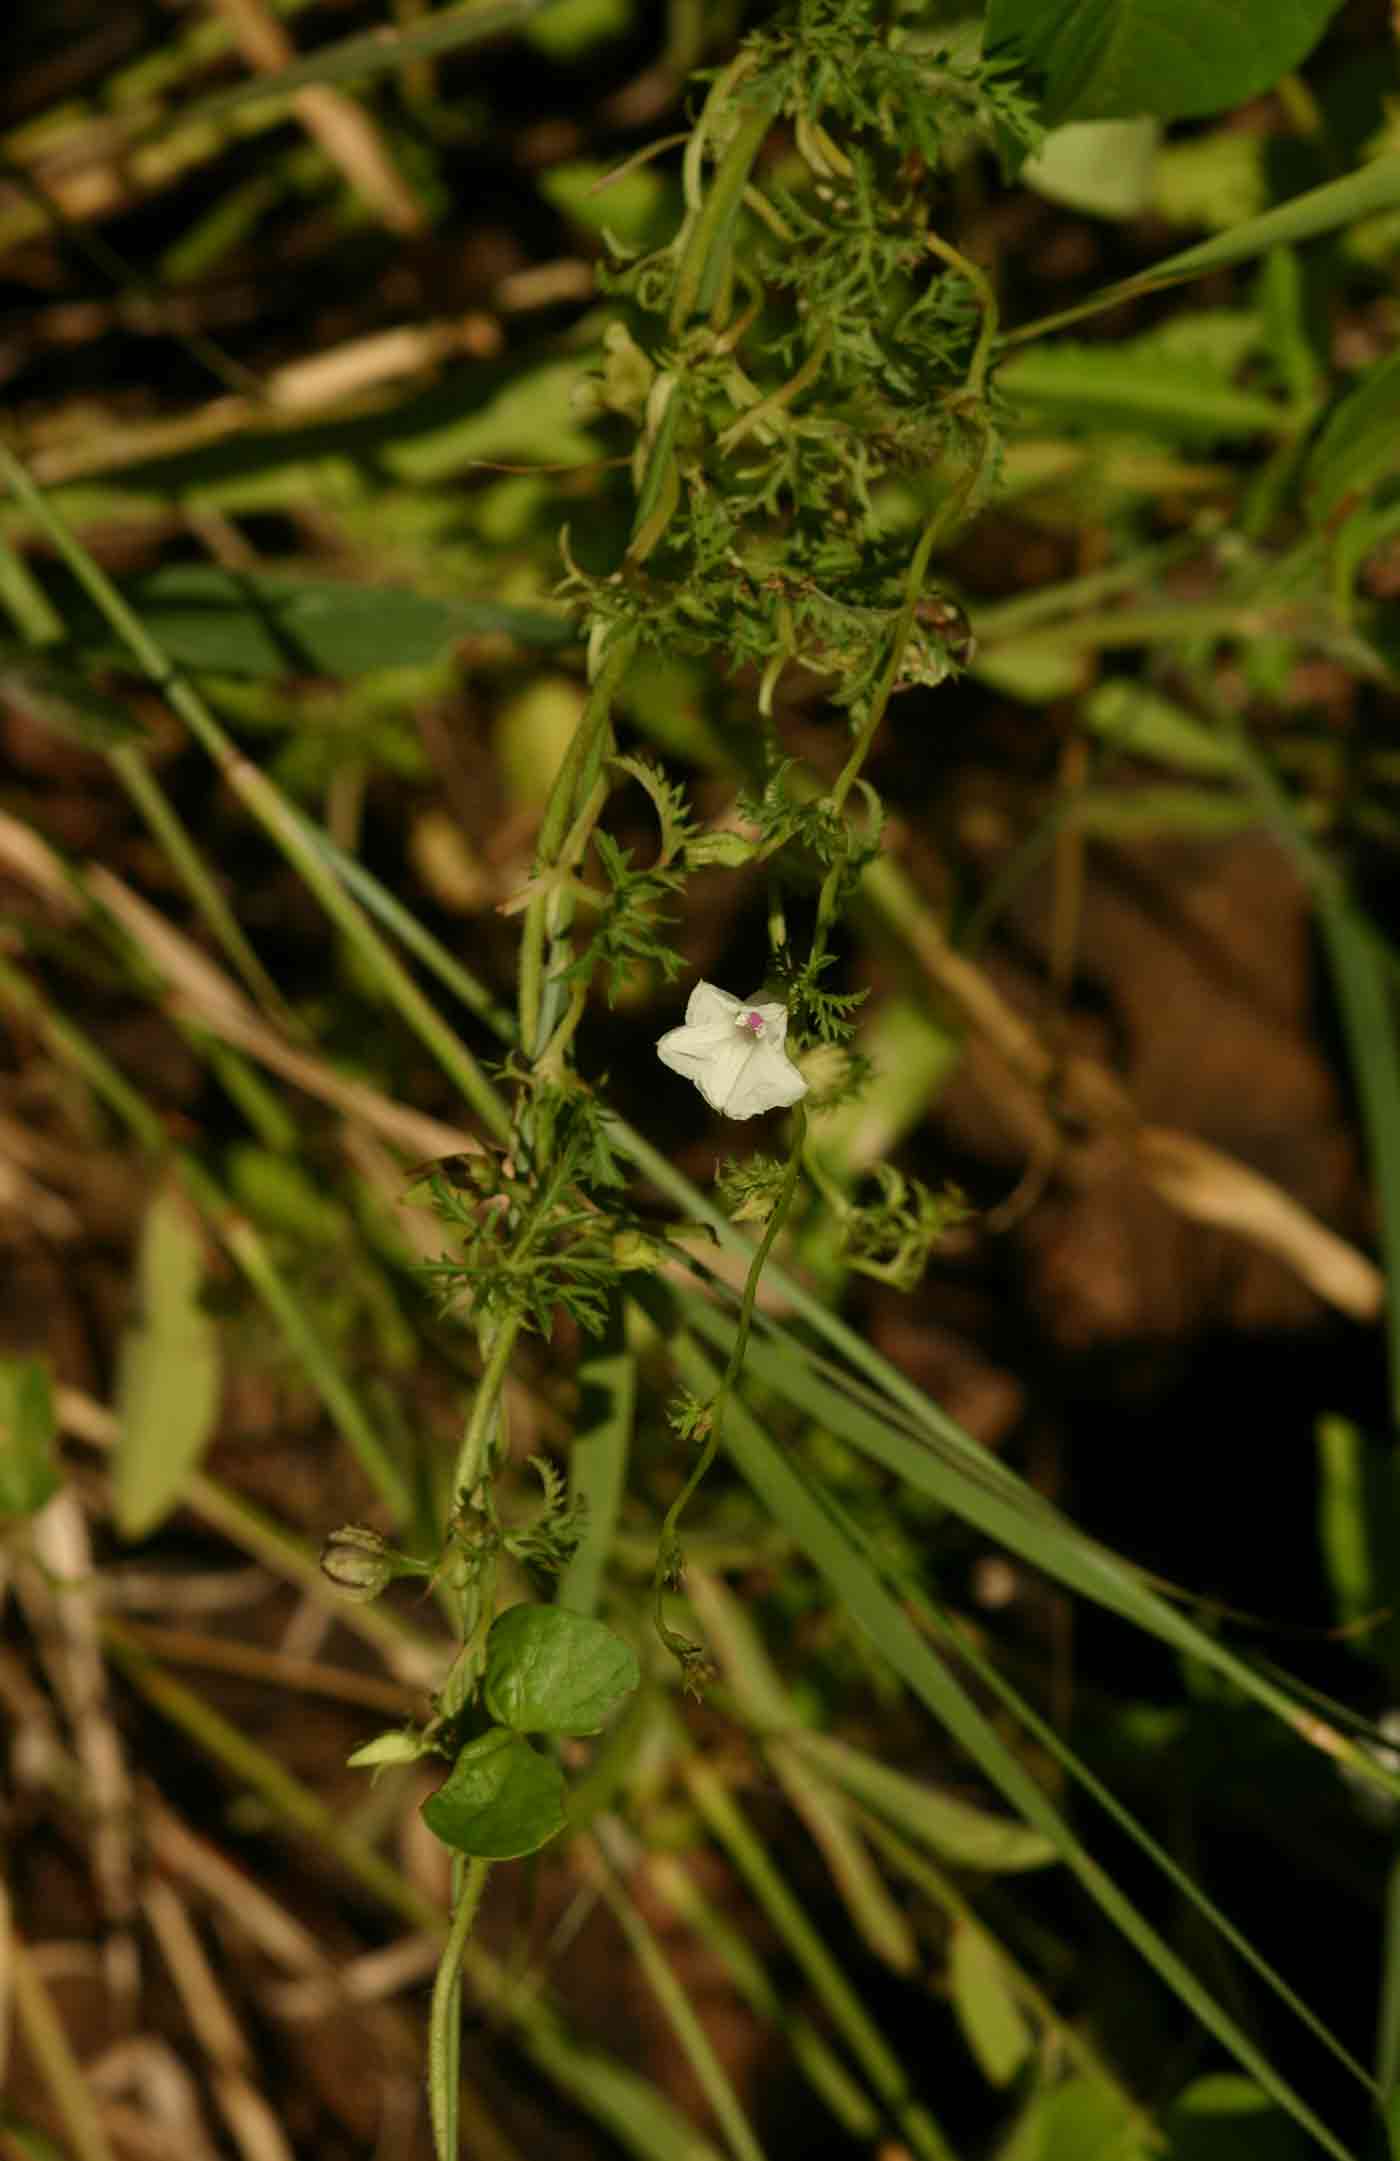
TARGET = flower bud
x,y
357,1561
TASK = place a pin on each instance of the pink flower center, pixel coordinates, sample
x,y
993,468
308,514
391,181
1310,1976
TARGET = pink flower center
x,y
752,1023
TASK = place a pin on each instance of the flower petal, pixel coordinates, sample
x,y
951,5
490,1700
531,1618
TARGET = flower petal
x,y
690,1050
739,1074
769,1080
708,1004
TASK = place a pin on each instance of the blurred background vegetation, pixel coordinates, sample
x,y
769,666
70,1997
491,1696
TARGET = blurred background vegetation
x,y
300,367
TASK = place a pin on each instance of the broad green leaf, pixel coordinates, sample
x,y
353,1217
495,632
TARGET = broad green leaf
x,y
1137,719
1137,391
1109,59
569,27
499,1800
271,624
548,1671
28,1472
1213,181
168,1374
1038,671
1360,445
1073,2121
1223,2117
284,1197
531,736
629,206
1126,811
952,1829
59,696
987,2011
1102,166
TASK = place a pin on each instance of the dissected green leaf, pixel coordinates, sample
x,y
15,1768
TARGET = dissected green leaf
x,y
548,1671
499,1800
28,1471
1108,59
168,1376
987,2011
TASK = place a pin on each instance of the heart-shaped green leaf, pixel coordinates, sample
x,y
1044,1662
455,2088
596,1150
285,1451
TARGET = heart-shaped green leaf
x,y
499,1800
548,1671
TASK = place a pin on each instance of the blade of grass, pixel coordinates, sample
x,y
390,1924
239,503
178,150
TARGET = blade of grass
x,y
676,2007
763,1701
1363,966
46,2040
414,1657
624,2103
816,2059
269,807
370,53
927,1878
1045,1734
1376,187
240,1237
1388,2020
1026,1524
831,1547
40,626
841,2002
1367,1000
598,1461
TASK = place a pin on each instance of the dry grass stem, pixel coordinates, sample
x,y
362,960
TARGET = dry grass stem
x,y
344,129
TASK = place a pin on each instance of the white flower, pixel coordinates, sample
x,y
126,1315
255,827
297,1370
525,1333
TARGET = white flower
x,y
732,1049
